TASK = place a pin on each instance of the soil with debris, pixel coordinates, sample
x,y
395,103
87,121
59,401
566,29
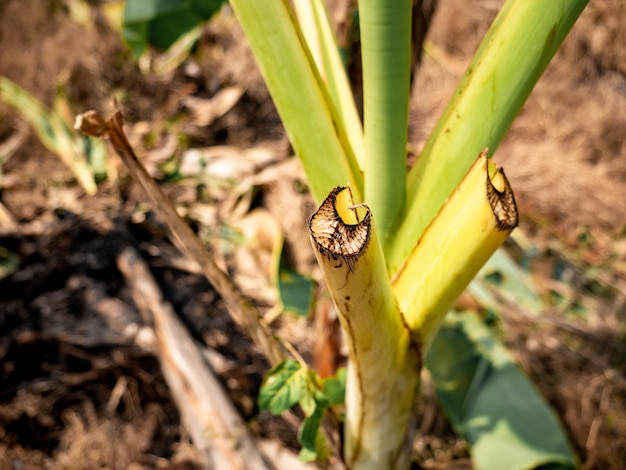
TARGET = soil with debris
x,y
81,386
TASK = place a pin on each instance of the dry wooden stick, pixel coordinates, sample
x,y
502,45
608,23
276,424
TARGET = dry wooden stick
x,y
215,427
241,310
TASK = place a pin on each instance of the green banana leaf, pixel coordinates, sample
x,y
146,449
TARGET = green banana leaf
x,y
163,22
491,402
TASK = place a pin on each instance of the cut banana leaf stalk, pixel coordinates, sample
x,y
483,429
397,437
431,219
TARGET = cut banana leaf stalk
x,y
384,365
470,227
513,55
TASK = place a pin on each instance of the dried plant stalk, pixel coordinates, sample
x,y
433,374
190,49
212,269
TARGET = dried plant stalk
x,y
242,312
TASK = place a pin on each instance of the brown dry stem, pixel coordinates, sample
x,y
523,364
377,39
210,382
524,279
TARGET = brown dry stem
x,y
242,312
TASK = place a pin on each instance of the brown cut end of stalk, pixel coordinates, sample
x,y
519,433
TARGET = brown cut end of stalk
x,y
92,124
502,202
336,239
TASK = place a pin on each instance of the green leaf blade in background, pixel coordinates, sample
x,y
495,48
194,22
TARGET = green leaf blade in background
x,y
510,60
165,30
502,279
334,388
309,436
295,291
54,132
9,262
492,404
162,22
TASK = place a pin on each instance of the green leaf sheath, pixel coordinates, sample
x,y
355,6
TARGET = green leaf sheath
x,y
300,96
386,43
319,34
513,55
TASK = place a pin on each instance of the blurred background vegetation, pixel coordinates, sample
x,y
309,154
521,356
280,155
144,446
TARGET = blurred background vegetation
x,y
80,382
